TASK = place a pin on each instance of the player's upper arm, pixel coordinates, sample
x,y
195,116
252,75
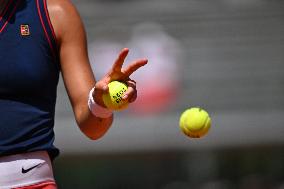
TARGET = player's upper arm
x,y
71,38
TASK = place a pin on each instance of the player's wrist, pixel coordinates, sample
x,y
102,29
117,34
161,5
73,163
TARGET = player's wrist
x,y
96,109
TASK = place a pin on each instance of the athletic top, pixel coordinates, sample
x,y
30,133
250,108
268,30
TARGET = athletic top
x,y
29,72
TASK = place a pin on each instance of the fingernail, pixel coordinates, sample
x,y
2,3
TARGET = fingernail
x,y
105,88
125,97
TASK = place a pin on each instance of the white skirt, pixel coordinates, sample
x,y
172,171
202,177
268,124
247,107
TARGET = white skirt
x,y
25,169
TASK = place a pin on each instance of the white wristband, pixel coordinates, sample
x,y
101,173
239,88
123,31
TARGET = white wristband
x,y
96,109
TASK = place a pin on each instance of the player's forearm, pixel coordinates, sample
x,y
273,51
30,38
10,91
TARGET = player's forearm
x,y
93,127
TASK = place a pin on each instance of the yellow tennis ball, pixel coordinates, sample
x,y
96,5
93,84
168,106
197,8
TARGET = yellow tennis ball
x,y
195,122
113,100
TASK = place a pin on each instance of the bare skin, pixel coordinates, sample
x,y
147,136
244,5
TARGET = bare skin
x,y
76,71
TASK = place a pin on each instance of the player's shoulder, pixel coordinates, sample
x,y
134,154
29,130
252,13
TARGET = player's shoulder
x,y
61,7
63,15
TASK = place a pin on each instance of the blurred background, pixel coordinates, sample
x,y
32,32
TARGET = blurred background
x,y
226,56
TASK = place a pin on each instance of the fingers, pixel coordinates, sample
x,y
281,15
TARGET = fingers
x,y
117,73
117,66
120,60
133,98
102,86
131,94
134,66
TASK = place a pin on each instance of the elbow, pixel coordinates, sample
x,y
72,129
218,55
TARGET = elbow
x,y
94,136
92,127
95,130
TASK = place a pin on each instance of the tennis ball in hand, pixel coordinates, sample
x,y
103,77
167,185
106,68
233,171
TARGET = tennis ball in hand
x,y
113,100
195,122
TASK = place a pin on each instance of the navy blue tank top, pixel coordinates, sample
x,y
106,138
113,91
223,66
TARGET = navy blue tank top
x,y
29,72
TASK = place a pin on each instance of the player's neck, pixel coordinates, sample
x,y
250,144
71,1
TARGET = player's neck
x,y
3,4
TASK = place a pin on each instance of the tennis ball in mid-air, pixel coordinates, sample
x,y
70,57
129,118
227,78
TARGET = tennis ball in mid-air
x,y
113,100
195,122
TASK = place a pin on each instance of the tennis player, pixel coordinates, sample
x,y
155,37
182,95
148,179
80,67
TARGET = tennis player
x,y
39,39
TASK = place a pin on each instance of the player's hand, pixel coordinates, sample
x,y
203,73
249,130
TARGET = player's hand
x,y
119,74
